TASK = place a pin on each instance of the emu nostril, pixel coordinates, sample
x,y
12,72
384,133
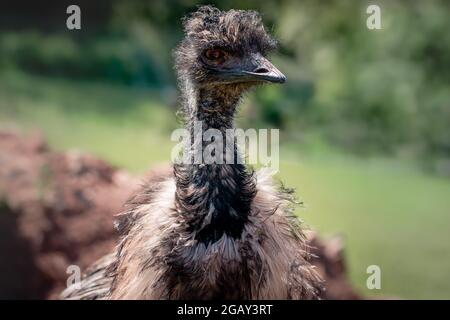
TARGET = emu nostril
x,y
261,70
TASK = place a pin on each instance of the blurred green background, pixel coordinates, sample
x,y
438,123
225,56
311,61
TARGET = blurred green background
x,y
364,116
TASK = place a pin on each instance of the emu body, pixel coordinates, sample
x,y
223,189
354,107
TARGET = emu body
x,y
210,231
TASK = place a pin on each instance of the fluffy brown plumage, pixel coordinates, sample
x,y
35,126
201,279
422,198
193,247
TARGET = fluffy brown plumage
x,y
210,231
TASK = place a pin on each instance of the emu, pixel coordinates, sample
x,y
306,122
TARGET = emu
x,y
210,231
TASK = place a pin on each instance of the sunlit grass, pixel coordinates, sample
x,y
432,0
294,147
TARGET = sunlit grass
x,y
392,217
130,128
389,213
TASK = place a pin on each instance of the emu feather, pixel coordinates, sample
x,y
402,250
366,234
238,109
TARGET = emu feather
x,y
211,231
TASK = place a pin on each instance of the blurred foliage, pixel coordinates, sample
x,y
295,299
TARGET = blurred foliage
x,y
368,91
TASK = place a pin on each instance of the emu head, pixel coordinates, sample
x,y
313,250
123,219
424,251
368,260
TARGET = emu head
x,y
226,48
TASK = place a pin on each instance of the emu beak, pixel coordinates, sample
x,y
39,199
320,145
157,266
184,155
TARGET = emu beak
x,y
263,70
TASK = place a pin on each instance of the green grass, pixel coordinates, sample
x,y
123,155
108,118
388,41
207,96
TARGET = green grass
x,y
389,213
390,216
129,127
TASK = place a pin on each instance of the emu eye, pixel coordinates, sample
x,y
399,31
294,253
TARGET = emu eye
x,y
215,55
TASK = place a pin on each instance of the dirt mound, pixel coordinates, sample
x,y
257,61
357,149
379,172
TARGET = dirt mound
x,y
56,209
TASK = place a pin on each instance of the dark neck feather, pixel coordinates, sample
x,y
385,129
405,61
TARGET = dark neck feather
x,y
213,198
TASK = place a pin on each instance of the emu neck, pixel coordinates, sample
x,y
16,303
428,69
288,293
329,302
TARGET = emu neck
x,y
214,198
